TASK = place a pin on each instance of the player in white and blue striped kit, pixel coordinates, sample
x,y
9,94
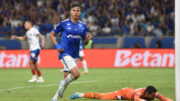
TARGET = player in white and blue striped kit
x,y
73,31
33,36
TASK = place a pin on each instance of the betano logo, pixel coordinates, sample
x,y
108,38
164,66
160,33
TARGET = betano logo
x,y
14,60
74,36
143,59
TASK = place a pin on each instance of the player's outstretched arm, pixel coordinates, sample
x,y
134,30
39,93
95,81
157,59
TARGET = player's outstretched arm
x,y
19,38
53,39
42,40
162,98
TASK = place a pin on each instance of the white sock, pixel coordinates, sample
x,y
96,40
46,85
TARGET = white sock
x,y
41,77
81,94
34,76
85,66
56,96
68,79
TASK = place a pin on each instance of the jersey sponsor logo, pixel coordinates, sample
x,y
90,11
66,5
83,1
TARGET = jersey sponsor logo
x,y
74,36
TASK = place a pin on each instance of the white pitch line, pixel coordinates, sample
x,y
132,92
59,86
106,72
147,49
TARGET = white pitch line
x,y
49,85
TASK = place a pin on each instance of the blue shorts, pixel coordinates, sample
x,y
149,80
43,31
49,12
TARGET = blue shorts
x,y
34,55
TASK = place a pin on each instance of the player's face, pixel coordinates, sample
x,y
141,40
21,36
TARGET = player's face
x,y
75,12
149,97
27,25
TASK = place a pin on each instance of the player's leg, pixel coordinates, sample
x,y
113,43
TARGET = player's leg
x,y
56,96
35,59
65,71
38,73
81,54
92,95
66,74
109,96
73,73
31,63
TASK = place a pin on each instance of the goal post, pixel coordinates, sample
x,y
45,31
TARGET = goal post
x,y
177,48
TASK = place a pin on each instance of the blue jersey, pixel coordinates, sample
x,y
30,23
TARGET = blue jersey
x,y
81,45
72,34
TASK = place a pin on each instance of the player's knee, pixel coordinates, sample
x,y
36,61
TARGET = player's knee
x,y
36,68
75,72
76,75
97,96
31,62
81,58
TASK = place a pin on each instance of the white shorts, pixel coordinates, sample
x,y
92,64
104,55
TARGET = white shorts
x,y
81,53
69,63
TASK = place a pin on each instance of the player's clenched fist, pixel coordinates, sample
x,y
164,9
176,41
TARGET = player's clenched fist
x,y
88,36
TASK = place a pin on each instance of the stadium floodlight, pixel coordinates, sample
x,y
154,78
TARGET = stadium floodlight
x,y
177,48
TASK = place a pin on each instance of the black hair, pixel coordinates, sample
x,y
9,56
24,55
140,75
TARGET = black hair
x,y
150,89
29,21
75,5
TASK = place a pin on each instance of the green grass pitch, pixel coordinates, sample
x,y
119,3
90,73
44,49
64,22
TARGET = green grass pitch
x,y
14,85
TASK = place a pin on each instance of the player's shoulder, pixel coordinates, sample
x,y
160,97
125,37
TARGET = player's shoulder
x,y
140,88
64,21
139,91
34,29
81,22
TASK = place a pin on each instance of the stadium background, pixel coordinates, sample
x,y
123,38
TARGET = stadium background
x,y
125,29
117,24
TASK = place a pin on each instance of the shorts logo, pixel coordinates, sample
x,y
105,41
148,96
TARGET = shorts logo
x,y
74,36
32,55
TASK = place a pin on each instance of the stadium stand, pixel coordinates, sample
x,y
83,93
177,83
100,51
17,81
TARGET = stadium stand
x,y
117,23
112,18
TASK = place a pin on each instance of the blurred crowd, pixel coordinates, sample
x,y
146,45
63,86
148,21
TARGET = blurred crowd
x,y
103,17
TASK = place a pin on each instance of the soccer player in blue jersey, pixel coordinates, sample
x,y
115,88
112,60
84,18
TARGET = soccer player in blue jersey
x,y
73,31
